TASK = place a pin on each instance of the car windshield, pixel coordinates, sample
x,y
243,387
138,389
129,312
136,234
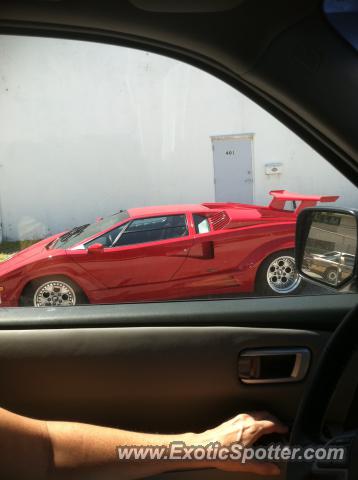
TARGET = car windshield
x,y
81,233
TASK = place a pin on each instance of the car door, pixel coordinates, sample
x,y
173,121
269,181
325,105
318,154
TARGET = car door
x,y
213,258
148,251
165,367
222,261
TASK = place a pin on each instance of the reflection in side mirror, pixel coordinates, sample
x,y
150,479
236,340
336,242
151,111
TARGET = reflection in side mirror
x,y
326,245
95,248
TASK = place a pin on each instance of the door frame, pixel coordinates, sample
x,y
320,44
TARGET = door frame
x,y
237,136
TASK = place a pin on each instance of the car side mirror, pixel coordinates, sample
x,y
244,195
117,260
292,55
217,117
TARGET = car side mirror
x,y
326,247
95,248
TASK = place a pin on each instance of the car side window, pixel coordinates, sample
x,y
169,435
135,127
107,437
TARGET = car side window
x,y
109,238
201,224
152,159
154,229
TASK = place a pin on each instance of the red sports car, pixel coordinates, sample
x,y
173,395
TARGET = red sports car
x,y
161,253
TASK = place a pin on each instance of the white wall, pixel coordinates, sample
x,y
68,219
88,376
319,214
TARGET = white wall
x,y
88,129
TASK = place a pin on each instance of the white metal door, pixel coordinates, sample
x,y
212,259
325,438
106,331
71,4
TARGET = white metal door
x,y
233,168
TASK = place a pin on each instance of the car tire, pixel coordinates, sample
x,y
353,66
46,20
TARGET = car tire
x,y
278,276
52,292
331,276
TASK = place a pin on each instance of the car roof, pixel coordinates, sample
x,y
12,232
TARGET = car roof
x,y
167,210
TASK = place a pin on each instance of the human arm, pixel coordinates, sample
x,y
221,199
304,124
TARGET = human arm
x,y
41,450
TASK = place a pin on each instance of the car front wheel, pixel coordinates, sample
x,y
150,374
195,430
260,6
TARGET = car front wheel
x,y
278,275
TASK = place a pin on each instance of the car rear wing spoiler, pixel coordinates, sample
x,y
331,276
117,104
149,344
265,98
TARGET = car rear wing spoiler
x,y
280,197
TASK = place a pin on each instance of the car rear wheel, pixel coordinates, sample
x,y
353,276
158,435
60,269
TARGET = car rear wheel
x,y
53,292
278,275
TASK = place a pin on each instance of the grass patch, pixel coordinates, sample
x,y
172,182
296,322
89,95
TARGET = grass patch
x,y
9,248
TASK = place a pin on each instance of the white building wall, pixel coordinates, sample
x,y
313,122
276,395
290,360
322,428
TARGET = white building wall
x,y
88,129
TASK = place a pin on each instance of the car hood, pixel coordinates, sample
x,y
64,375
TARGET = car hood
x,y
21,258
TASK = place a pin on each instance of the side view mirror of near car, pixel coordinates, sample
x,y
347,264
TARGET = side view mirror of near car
x,y
95,248
326,247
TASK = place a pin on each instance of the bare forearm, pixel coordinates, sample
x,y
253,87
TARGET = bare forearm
x,y
39,450
24,446
90,452
42,450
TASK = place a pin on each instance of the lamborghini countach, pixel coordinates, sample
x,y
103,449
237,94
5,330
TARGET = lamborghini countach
x,y
163,253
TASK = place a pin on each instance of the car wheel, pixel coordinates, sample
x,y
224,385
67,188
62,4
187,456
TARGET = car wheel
x,y
331,275
278,275
52,292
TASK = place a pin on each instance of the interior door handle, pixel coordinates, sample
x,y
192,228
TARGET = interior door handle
x,y
273,365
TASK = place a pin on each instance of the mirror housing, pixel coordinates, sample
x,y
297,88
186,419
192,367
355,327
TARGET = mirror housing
x,y
326,247
95,248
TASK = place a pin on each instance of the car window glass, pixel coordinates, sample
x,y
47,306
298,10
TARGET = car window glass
x,y
343,17
107,239
77,234
124,147
153,230
201,224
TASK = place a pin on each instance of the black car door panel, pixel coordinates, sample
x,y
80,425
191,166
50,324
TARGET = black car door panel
x,y
162,367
